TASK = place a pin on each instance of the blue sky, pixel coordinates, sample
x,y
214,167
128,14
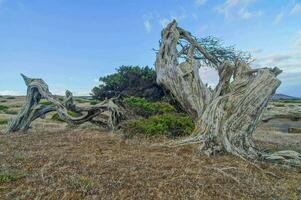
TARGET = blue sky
x,y
71,43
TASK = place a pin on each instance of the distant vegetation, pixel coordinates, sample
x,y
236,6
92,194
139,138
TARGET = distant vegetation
x,y
129,81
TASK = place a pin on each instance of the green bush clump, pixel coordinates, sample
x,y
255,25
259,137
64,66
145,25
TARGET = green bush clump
x,y
56,116
45,102
11,175
81,100
94,102
11,112
129,81
173,125
10,97
3,121
147,108
3,108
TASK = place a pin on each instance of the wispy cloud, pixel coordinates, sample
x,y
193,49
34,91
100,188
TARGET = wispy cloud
x,y
296,9
279,17
238,8
200,2
10,93
147,25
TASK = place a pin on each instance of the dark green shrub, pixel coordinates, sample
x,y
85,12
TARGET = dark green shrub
x,y
11,175
147,108
3,108
45,102
167,124
94,102
11,112
3,121
56,116
129,81
10,97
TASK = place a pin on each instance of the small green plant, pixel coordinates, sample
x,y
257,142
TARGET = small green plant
x,y
3,108
10,97
56,116
147,108
45,102
7,176
94,102
82,183
167,124
3,101
81,100
11,112
3,121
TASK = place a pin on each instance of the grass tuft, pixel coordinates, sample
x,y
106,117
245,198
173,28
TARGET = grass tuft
x,y
82,183
7,176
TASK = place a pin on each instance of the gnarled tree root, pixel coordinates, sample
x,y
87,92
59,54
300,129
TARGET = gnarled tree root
x,y
227,116
106,114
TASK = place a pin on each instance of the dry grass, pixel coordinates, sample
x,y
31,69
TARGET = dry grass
x,y
54,161
88,164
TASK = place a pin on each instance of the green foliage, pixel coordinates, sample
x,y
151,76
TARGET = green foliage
x,y
81,100
3,101
7,176
45,102
166,124
94,102
11,112
57,118
3,121
3,108
129,81
81,183
288,101
147,108
10,97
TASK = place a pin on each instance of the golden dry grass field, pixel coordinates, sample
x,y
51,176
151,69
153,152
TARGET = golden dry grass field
x,y
55,161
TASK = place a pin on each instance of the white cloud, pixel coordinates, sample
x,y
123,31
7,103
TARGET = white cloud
x,y
296,9
279,17
164,22
238,8
147,26
10,92
200,2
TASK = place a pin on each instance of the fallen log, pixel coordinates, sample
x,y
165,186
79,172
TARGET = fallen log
x,y
37,89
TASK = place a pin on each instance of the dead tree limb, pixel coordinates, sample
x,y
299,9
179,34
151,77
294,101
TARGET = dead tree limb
x,y
227,116
37,89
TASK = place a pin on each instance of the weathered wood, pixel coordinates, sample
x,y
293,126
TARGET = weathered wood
x,y
37,89
227,116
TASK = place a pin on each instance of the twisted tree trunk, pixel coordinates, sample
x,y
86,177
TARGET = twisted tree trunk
x,y
37,89
227,116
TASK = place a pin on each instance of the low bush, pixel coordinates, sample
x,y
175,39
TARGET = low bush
x,y
45,102
147,108
11,175
3,121
3,108
56,116
81,183
173,125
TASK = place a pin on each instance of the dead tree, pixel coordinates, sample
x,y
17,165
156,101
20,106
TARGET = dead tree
x,y
106,114
226,116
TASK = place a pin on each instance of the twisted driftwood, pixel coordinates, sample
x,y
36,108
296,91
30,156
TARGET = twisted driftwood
x,y
227,116
37,89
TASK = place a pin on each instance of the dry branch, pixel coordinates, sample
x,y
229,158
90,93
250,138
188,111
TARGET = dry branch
x,y
37,89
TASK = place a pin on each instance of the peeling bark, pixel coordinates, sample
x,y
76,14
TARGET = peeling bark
x,y
227,116
37,89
